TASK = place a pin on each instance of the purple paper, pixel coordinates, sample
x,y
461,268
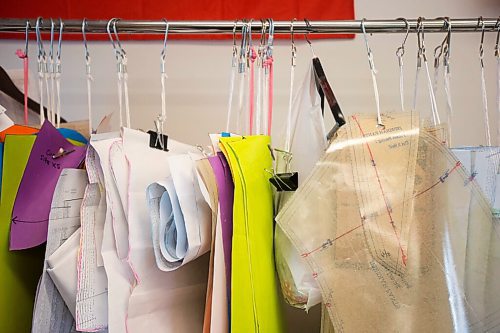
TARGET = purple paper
x,y
225,188
30,214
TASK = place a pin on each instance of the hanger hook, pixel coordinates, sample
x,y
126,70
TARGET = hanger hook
x,y
480,22
292,38
84,36
270,39
241,62
249,31
368,48
235,48
39,41
306,36
51,49
446,43
164,50
420,41
263,30
108,30
26,41
115,32
497,26
59,43
401,50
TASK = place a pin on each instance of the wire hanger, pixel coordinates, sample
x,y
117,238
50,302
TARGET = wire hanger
x,y
373,73
399,54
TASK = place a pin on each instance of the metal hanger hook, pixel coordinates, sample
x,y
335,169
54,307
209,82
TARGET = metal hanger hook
x,y
39,41
115,32
292,39
421,41
108,30
306,35
441,48
235,48
480,22
84,36
368,48
401,50
263,30
51,49
164,49
59,43
497,26
26,41
270,39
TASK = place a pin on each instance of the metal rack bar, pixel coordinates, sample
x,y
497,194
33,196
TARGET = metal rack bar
x,y
281,27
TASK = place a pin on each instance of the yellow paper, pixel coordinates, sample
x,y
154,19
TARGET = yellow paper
x,y
19,270
254,300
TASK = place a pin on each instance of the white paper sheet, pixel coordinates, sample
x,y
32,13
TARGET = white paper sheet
x,y
61,267
92,293
161,301
50,312
115,238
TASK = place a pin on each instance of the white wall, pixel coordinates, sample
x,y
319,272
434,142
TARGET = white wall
x,y
199,73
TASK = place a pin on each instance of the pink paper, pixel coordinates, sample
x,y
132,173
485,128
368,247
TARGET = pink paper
x,y
31,210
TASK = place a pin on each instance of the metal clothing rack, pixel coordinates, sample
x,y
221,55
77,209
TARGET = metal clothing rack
x,y
280,27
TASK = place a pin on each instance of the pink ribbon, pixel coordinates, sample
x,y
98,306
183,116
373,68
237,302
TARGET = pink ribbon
x,y
269,64
24,56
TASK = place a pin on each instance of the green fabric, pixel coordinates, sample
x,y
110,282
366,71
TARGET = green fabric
x,y
19,270
255,306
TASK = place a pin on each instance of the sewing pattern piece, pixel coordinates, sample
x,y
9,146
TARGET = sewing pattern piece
x,y
396,217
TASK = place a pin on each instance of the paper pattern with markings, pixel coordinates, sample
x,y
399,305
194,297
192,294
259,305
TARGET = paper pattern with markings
x,y
50,312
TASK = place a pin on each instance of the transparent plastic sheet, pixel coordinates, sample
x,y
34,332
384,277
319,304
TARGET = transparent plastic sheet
x,y
399,240
482,165
307,143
